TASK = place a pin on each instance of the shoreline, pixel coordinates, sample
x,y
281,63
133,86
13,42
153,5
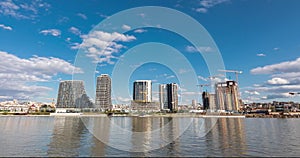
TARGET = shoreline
x,y
183,115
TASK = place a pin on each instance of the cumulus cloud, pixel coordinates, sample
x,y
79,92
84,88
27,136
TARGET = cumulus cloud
x,y
275,96
5,27
140,30
285,77
261,55
53,32
101,46
75,30
126,27
206,4
202,78
211,3
83,16
278,80
252,92
23,9
201,10
18,76
283,67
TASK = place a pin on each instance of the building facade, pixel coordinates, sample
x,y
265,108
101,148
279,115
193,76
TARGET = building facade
x,y
71,94
168,97
227,97
103,92
163,96
142,91
205,100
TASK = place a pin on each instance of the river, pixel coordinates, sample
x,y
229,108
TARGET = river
x,y
148,136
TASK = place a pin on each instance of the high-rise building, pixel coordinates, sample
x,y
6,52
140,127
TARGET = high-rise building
x,y
227,96
172,96
205,100
212,102
163,96
71,94
194,104
103,92
168,96
142,91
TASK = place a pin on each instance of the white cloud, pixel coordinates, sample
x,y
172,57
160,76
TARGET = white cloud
x,y
278,81
126,27
182,71
211,3
284,67
201,10
5,27
202,78
191,49
101,46
53,32
206,4
276,49
275,96
261,55
143,15
23,9
289,75
140,30
75,30
18,76
171,76
252,92
204,49
83,16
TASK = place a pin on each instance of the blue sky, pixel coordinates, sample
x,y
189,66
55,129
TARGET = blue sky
x,y
40,41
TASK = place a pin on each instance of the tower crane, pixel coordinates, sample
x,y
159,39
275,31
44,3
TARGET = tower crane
x,y
234,71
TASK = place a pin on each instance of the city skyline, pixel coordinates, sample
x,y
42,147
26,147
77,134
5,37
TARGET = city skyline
x,y
40,41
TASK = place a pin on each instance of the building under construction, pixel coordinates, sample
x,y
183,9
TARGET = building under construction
x,y
227,96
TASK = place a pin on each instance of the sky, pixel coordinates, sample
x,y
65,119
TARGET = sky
x,y
44,42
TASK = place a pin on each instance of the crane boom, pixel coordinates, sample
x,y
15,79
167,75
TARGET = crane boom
x,y
234,71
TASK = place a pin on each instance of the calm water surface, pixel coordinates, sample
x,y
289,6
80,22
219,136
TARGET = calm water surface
x,y
136,136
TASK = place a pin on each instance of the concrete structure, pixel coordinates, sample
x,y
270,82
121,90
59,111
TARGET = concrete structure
x,y
194,104
71,94
142,91
227,96
212,102
172,96
103,92
163,96
205,100
168,97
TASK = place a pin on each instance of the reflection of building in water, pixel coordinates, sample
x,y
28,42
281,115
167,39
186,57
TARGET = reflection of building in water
x,y
101,131
141,137
66,138
171,134
228,134
154,133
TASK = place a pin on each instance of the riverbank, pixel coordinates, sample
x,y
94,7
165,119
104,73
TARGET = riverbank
x,y
194,115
